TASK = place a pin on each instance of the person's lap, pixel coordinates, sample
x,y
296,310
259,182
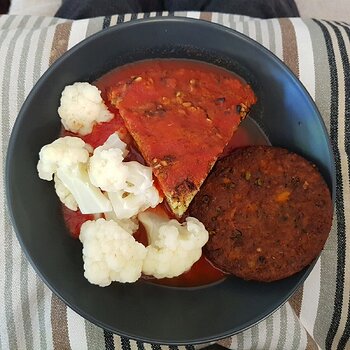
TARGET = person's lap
x,y
76,9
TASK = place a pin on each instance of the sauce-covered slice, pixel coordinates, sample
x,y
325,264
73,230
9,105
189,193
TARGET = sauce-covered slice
x,y
181,114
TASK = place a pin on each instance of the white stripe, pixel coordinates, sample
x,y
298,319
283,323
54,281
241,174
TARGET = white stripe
x,y
215,17
127,17
226,20
45,59
303,338
113,20
133,345
306,55
252,29
278,38
291,328
247,339
276,326
31,58
345,174
76,330
47,308
262,334
239,27
311,294
265,34
236,18
193,14
78,32
33,307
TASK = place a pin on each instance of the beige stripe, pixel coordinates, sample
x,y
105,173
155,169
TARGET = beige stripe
x,y
206,16
290,49
59,324
225,342
296,300
311,344
60,41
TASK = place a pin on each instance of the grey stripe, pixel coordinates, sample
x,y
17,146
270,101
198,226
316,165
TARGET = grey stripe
x,y
232,22
40,292
283,328
269,332
94,336
95,25
5,134
7,23
297,333
272,37
329,255
258,32
27,322
39,54
255,337
245,28
23,63
3,33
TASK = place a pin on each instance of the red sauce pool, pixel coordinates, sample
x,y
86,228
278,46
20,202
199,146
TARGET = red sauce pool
x,y
248,133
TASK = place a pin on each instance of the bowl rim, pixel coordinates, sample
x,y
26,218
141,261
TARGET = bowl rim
x,y
16,129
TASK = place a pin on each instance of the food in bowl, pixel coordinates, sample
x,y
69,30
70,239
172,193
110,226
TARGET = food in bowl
x,y
139,170
268,212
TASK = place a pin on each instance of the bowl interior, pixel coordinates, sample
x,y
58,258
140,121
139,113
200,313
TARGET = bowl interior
x,y
145,311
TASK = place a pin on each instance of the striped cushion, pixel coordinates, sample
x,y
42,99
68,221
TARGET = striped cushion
x,y
318,314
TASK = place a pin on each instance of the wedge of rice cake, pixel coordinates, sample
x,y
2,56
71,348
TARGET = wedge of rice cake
x,y
181,115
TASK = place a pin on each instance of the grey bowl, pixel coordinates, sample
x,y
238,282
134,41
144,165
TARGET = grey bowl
x,y
144,311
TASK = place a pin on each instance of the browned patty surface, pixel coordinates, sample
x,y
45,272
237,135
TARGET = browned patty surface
x,y
268,212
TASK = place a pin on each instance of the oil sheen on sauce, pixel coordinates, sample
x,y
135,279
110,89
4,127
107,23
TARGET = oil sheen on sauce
x,y
248,133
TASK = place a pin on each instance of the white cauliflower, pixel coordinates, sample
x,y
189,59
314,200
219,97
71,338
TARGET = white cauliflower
x,y
126,205
67,158
129,185
139,178
110,253
82,107
106,168
64,194
173,247
64,152
130,225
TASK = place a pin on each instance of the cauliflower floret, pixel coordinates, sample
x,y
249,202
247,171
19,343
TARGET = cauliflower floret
x,y
63,152
110,253
106,168
126,205
130,225
64,194
82,107
173,247
139,178
67,158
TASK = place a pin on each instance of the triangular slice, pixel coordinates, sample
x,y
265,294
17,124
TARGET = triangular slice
x,y
181,115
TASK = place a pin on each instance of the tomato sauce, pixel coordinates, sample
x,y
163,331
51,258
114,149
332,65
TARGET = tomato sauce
x,y
74,220
202,272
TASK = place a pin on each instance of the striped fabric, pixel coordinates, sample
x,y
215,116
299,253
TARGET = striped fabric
x,y
318,315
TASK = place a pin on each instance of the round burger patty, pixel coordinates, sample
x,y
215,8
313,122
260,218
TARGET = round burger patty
x,y
268,212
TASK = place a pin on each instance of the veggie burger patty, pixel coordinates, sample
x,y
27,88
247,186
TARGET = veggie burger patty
x,y
268,212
